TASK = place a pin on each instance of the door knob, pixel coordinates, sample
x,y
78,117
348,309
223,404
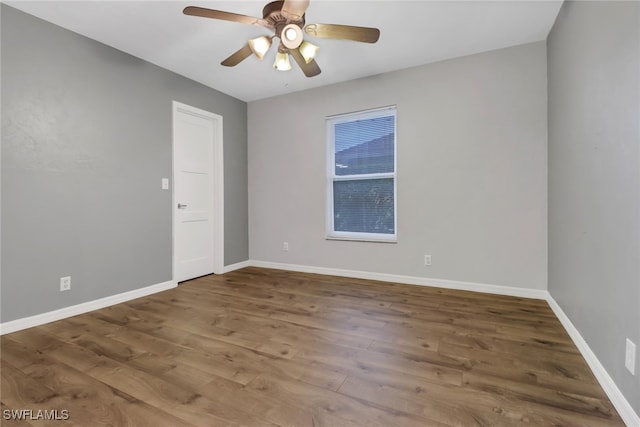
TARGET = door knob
x,y
181,206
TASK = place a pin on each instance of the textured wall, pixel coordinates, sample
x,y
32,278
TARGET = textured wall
x,y
472,168
594,178
86,138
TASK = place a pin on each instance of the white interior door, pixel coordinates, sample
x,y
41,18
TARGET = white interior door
x,y
198,199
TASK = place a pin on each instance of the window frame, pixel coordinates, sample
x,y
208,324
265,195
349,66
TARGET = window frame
x,y
331,122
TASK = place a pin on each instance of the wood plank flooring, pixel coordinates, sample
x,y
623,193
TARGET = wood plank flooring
x,y
259,347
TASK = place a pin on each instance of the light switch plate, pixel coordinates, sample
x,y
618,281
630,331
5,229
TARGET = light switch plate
x,y
630,357
165,183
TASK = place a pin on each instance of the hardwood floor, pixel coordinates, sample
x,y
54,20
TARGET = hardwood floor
x,y
260,347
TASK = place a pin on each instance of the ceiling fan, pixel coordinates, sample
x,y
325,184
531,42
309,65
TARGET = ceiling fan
x,y
287,20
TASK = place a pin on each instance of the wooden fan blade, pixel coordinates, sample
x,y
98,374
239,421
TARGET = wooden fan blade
x,y
225,16
294,10
311,69
238,56
343,32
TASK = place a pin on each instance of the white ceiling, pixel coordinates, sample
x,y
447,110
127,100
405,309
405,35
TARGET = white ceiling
x,y
412,33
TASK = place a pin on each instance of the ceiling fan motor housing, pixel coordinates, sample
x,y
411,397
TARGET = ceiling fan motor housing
x,y
272,13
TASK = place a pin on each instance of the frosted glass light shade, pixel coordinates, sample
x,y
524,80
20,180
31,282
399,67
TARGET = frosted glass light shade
x,y
260,45
282,62
308,51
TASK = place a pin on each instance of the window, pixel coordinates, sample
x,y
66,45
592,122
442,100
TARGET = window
x,y
361,184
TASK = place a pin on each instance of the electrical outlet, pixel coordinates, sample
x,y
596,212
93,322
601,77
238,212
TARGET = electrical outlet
x,y
427,260
285,246
630,357
65,283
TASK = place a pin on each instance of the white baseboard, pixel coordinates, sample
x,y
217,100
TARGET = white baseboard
x,y
618,400
74,310
410,280
236,266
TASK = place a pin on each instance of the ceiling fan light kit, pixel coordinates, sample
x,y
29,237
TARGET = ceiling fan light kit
x,y
286,18
282,62
308,51
260,45
291,36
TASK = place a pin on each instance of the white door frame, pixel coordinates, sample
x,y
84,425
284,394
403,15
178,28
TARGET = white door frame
x,y
218,185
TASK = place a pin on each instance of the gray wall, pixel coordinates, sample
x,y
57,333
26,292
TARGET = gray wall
x,y
86,138
594,178
472,168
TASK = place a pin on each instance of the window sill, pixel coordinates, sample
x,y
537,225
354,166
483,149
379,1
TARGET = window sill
x,y
372,239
